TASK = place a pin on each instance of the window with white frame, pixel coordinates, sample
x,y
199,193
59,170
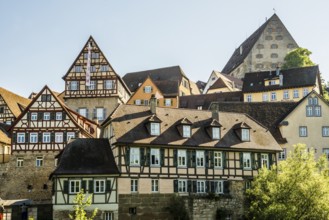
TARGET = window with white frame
x,y
100,113
295,93
155,185
148,89
74,186
83,112
248,98
19,162
92,85
265,97
134,185
108,216
182,186
317,111
246,160
168,102
245,134
218,159
309,111
286,94
326,152
200,186
109,84
59,137
155,128
134,156
59,116
99,186
46,137
186,131
78,69
104,68
146,102
325,131
302,131
20,137
219,187
33,137
273,96
138,102
181,158
39,161
70,135
282,154
215,133
34,116
305,92
94,55
264,160
46,116
155,157
73,85
199,107
92,69
199,158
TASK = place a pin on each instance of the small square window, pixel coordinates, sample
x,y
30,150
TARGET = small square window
x,y
2,109
75,186
168,102
219,187
265,97
33,137
73,85
92,85
200,158
325,131
45,98
296,93
246,161
249,98
181,158
155,157
138,102
78,69
46,137
182,186
70,135
302,131
200,186
273,96
19,162
99,186
134,156
148,89
59,137
59,116
46,116
109,84
20,137
285,94
39,161
108,216
104,68
282,154
34,116
218,159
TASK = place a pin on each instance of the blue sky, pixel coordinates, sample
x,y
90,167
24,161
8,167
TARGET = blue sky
x,y
41,39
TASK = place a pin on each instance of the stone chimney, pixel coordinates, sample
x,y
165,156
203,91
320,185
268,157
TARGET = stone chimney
x,y
153,104
214,111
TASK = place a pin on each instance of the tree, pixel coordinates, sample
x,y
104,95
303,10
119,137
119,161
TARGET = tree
x,y
297,188
299,57
81,204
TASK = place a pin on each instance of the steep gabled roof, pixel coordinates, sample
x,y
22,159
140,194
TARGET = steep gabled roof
x,y
15,102
4,135
292,78
87,156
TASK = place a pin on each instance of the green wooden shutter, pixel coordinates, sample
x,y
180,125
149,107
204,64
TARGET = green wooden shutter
x,y
241,160
175,185
270,156
108,186
259,160
224,160
188,158
40,137
64,136
40,116
142,156
64,115
90,186
66,187
175,157
253,161
148,157
226,187
127,156
189,186
162,157
193,158
28,116
87,113
52,136
52,115
206,158
194,186
26,137
14,140
207,188
212,186
211,159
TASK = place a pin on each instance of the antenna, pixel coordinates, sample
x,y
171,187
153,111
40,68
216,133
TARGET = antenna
x,y
274,10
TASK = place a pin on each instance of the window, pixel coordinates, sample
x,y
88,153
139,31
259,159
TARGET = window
x,y
215,133
200,186
92,85
33,137
282,154
146,102
317,111
313,109
274,55
264,160
185,83
99,113
83,112
70,135
186,131
248,98
265,97
20,137
78,69
73,85
167,102
39,161
181,158
134,185
246,162
34,116
219,187
269,30
259,56
155,157
59,116
94,55
302,131
279,37
109,84
326,152
108,215
46,137
273,96
278,29
274,65
296,93
46,116
268,38
92,69
155,128
45,98
305,92
75,186
290,46
260,46
2,109
104,68
218,159
19,162
58,137
148,89
325,131
182,186
138,102
199,158
245,134
99,186
286,94
274,46
134,156
199,107
155,185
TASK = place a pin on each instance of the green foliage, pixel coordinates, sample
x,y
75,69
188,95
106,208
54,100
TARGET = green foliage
x,y
325,92
297,188
299,57
81,204
177,208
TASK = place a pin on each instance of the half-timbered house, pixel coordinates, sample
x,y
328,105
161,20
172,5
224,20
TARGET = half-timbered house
x,y
88,165
38,135
11,106
92,87
5,149
161,151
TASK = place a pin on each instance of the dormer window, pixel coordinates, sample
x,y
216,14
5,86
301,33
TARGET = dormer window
x,y
213,129
243,131
186,131
155,128
245,135
148,89
215,133
184,128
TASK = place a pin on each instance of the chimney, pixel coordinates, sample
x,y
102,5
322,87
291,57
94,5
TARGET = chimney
x,y
214,111
153,104
281,79
277,71
241,50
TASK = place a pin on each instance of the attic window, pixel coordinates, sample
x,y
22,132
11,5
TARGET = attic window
x,y
148,89
279,37
245,134
186,131
216,133
259,56
45,98
155,128
78,69
251,84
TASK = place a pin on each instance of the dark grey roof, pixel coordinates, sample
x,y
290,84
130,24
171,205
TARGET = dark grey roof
x,y
167,74
292,78
201,85
205,100
86,156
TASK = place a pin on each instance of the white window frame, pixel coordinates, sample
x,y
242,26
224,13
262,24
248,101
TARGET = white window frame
x,y
34,137
46,137
104,68
215,133
59,137
92,86
134,157
219,187
218,159
249,98
265,97
155,157
296,93
286,94
74,186
246,160
46,116
181,158
317,111
59,116
265,160
186,131
282,154
302,131
200,186
108,215
83,112
182,186
155,128
309,110
155,185
168,102
19,162
74,85
99,186
200,158
138,102
134,185
273,96
34,116
325,131
100,114
305,92
20,137
326,152
70,135
148,89
39,161
109,84
78,69
245,134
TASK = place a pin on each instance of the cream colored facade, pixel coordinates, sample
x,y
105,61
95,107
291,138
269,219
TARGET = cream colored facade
x,y
316,127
